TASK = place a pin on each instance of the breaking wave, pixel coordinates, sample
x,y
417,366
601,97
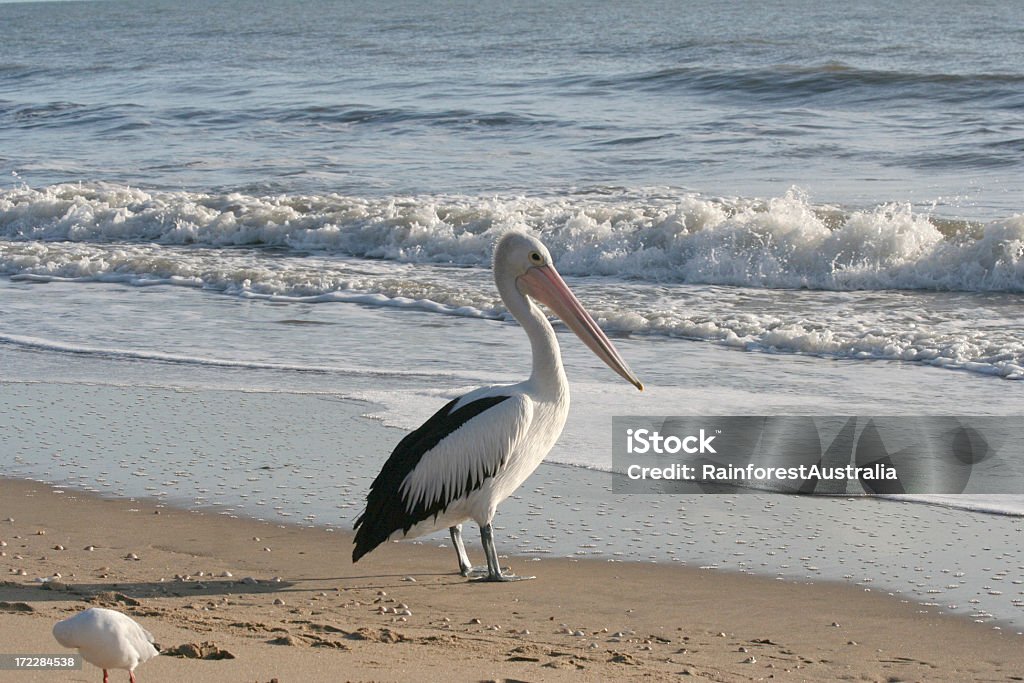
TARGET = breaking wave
x,y
783,242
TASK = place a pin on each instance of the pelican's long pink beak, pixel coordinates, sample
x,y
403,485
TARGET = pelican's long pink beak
x,y
544,284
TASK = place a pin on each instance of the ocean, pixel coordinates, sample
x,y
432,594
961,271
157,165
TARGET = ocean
x,y
794,209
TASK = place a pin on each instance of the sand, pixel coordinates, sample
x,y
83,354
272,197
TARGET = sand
x,y
287,603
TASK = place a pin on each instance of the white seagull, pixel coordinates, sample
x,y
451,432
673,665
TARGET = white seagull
x,y
107,639
478,449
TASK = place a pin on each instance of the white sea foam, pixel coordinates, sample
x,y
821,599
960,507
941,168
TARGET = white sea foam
x,y
785,242
886,327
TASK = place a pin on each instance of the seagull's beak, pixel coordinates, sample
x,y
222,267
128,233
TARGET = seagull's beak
x,y
544,284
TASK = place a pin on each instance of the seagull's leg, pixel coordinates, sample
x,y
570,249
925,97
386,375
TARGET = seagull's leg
x,y
465,567
493,567
106,676
131,676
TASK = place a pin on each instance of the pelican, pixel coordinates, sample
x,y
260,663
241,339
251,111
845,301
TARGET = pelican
x,y
107,639
476,450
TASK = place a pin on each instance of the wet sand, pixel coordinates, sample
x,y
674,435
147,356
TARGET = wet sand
x,y
286,602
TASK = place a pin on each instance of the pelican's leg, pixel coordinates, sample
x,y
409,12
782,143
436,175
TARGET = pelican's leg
x,y
493,568
465,567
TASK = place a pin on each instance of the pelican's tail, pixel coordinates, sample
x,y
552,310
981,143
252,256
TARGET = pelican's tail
x,y
370,531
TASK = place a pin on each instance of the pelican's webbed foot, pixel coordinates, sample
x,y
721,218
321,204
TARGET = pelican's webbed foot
x,y
494,572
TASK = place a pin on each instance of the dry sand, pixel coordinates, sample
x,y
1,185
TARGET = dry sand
x,y
312,615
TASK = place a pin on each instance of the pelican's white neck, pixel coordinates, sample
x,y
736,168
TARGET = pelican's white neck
x,y
548,375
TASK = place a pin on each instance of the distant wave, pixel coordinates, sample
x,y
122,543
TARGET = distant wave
x,y
809,84
783,242
115,117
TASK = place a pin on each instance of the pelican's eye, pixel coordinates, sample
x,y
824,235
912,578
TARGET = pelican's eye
x,y
535,257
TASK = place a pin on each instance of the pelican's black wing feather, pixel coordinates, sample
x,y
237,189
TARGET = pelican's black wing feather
x,y
385,511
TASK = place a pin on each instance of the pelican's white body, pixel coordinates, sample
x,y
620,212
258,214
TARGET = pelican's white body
x,y
519,431
107,639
